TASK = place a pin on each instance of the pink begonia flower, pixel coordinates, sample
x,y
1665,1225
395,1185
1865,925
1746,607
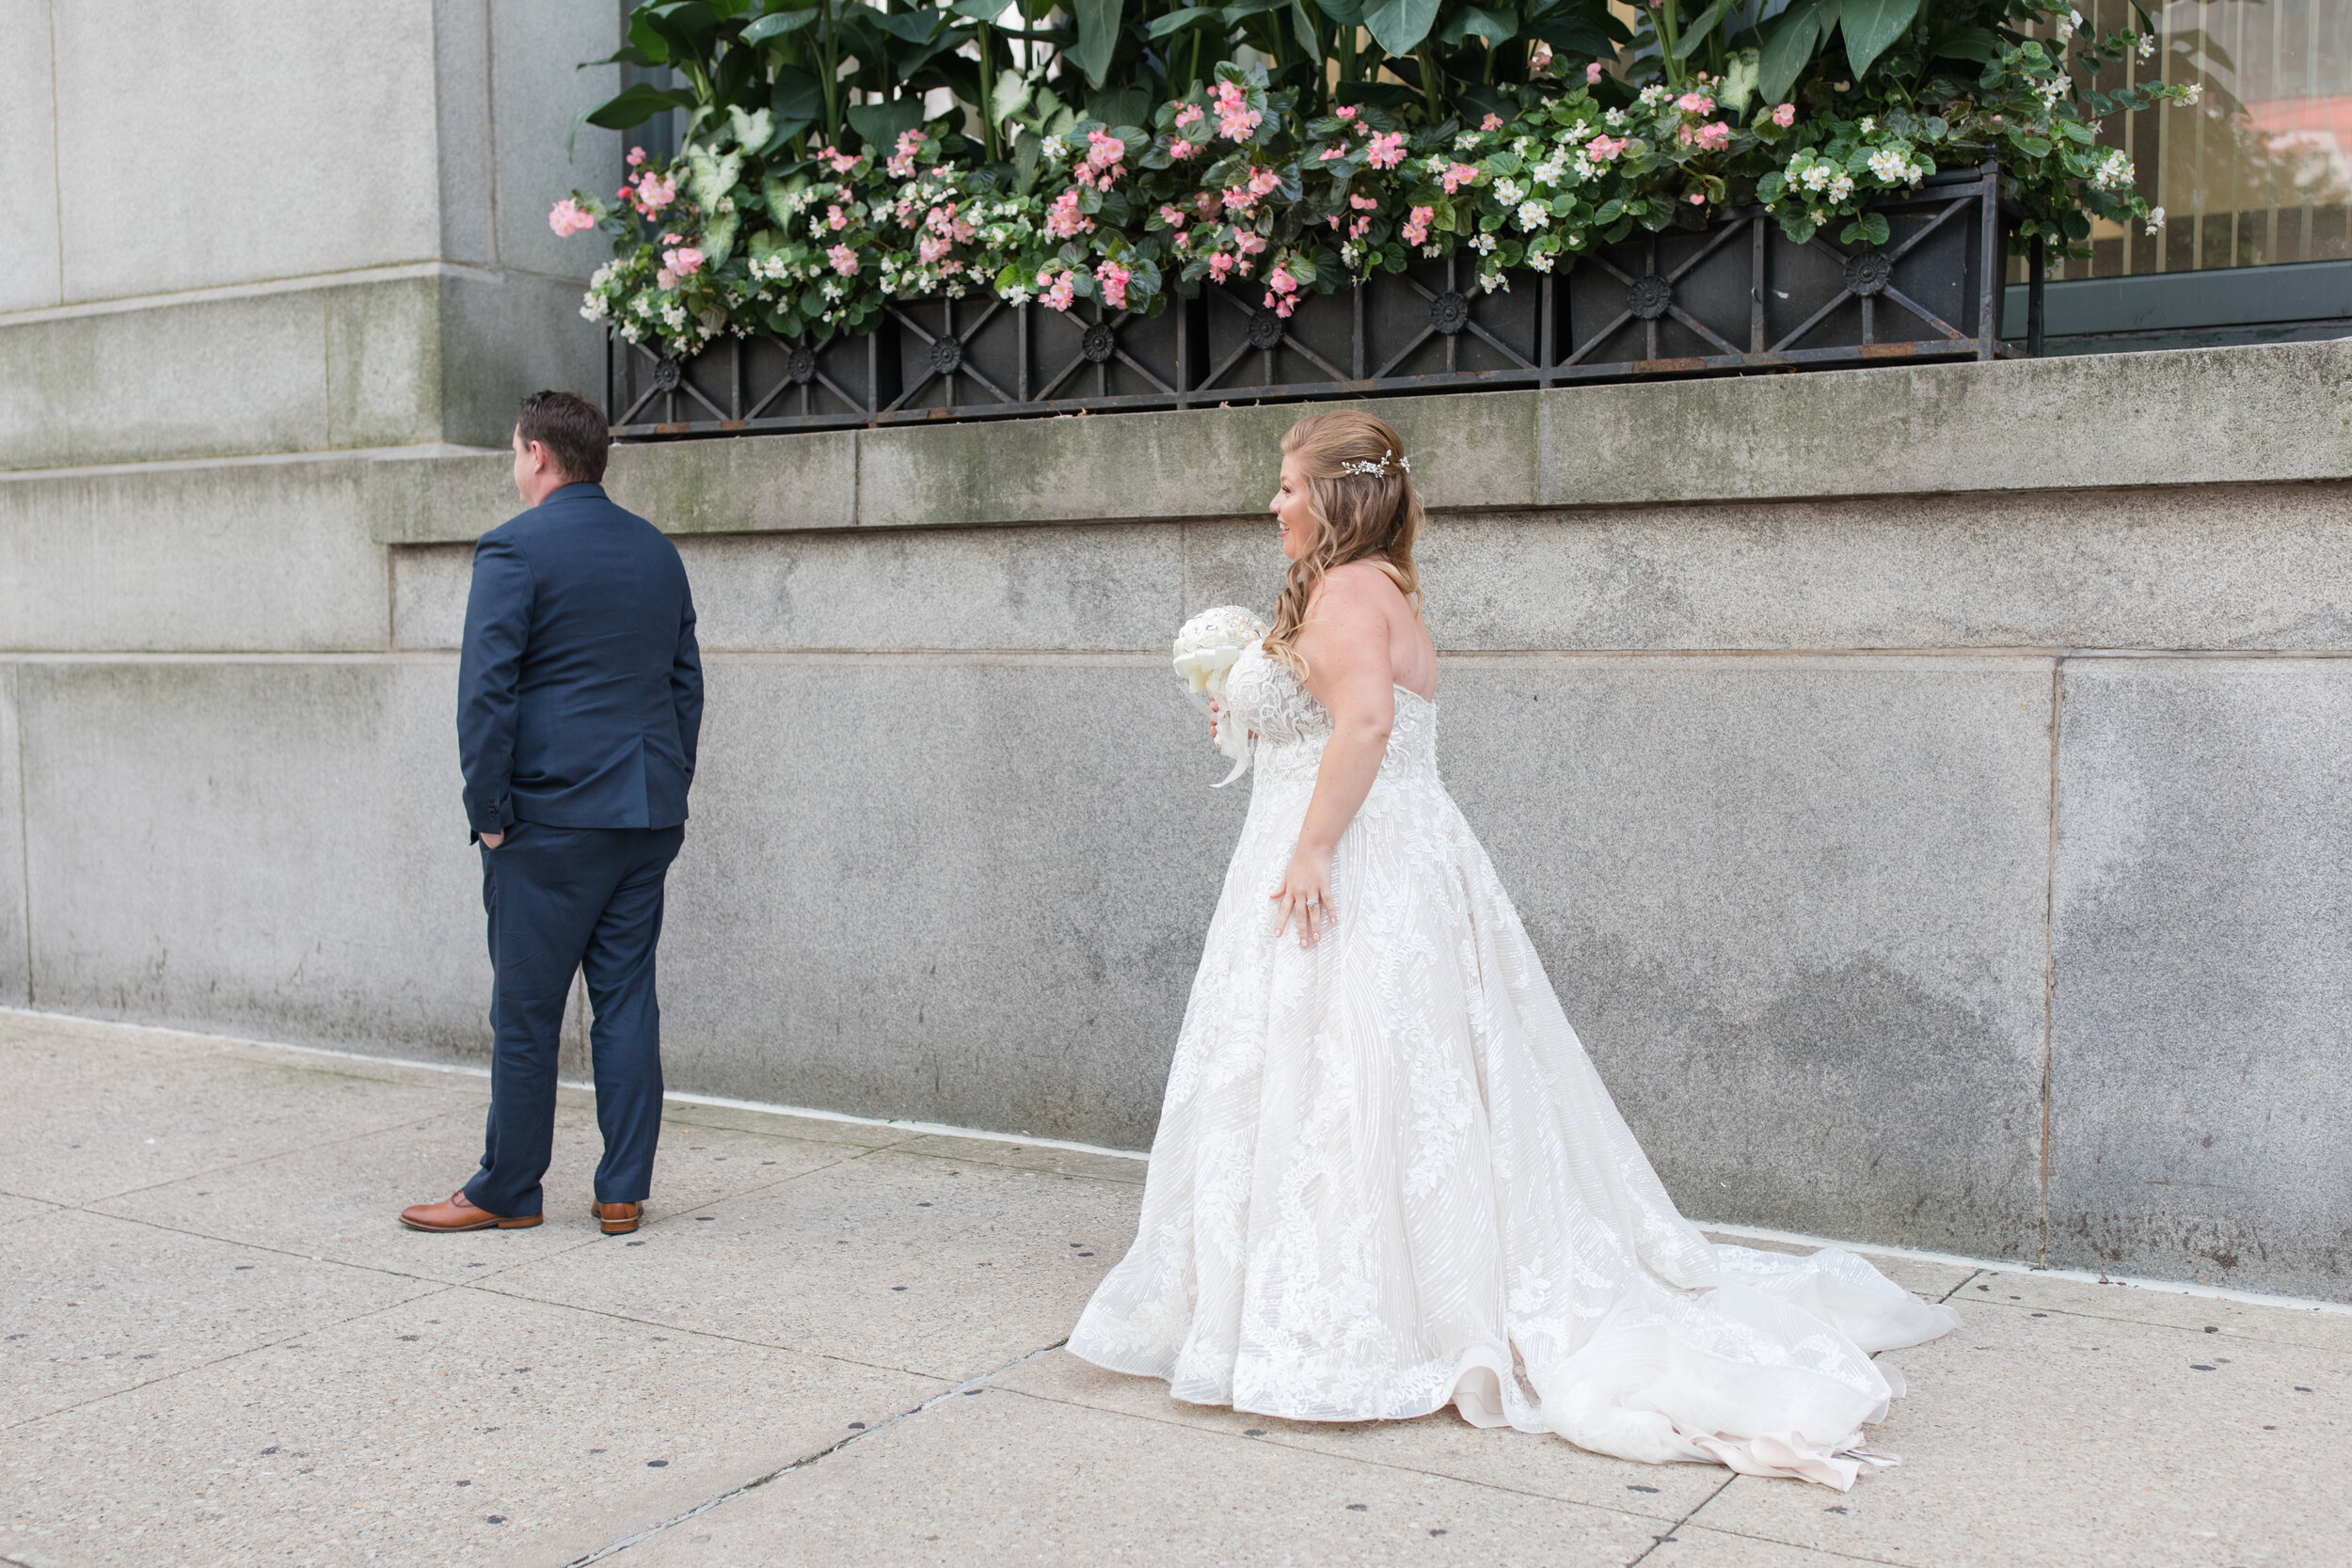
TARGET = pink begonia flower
x,y
1699,198
1336,222
1492,122
1330,152
1540,57
1345,111
1785,115
1250,244
1220,265
1695,104
1175,217
1112,279
1063,293
636,156
1364,203
842,162
844,260
673,239
931,250
1386,151
1063,220
569,218
1186,114
1591,74
901,165
1264,182
685,261
664,279
1357,230
654,193
1714,137
1181,149
1237,199
1235,118
1103,150
1603,148
1417,224
1458,176
835,219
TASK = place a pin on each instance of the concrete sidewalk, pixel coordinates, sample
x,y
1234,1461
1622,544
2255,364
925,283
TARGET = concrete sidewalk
x,y
834,1345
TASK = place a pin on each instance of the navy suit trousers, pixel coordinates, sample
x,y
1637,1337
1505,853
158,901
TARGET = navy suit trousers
x,y
566,900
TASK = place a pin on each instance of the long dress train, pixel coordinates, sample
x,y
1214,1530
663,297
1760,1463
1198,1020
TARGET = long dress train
x,y
1387,1177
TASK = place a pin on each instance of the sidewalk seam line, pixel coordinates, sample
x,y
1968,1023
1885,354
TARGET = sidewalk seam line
x,y
616,1547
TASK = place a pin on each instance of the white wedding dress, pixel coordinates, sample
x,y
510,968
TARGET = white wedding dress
x,y
1388,1178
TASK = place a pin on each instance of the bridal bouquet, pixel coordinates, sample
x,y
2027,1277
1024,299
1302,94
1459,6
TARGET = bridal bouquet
x,y
1206,648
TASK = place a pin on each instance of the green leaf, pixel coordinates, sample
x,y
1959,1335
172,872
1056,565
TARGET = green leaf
x,y
1304,29
1870,26
1496,30
1789,50
1399,25
797,95
778,24
1873,226
1193,16
635,105
1098,37
1697,31
1970,43
879,124
1347,13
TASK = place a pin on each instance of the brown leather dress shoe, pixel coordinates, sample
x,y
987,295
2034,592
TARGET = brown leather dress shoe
x,y
618,1219
459,1213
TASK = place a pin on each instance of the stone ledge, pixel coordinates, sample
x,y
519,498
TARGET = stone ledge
x,y
2227,416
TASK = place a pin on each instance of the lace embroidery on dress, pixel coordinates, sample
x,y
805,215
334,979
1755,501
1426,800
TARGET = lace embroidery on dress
x,y
1387,1177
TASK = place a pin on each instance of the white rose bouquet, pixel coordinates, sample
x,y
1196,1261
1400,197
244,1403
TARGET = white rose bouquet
x,y
1206,648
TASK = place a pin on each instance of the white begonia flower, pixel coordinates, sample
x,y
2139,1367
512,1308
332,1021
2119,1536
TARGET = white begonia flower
x,y
1466,140
1494,282
2156,219
1522,147
1547,173
1841,187
1533,215
1869,123
2196,91
2147,45
1889,166
1508,193
1615,118
1484,245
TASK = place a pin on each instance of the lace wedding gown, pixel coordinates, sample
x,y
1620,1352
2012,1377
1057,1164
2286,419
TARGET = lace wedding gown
x,y
1387,1177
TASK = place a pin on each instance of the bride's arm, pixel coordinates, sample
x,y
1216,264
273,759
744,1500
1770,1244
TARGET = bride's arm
x,y
1344,640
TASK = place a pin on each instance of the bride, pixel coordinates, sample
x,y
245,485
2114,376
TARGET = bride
x,y
1387,1179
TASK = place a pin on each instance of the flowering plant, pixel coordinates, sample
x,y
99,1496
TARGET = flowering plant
x,y
1283,183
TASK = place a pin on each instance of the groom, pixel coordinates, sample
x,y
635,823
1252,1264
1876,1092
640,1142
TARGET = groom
x,y
580,699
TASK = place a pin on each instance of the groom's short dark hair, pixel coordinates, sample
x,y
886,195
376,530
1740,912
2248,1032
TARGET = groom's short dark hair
x,y
571,430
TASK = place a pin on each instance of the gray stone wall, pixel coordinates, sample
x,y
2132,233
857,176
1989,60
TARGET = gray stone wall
x,y
1934,846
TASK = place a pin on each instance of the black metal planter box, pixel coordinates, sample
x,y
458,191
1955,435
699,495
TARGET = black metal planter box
x,y
1733,297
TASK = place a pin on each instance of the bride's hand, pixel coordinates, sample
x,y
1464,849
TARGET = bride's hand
x,y
1305,896
1216,717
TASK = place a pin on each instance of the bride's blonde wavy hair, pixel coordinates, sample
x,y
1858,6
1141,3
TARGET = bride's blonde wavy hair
x,y
1358,516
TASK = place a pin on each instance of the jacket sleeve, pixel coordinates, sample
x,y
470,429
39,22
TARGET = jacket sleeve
x,y
489,673
685,682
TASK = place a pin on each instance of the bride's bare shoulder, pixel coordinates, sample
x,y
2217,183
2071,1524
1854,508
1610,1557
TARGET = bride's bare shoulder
x,y
1358,586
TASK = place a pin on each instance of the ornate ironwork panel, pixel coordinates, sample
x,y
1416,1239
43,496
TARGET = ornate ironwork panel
x,y
1735,296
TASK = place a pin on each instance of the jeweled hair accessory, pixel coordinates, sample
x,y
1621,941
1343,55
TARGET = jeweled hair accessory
x,y
1380,469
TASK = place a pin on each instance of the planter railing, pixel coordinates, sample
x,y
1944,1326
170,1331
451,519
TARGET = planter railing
x,y
1730,298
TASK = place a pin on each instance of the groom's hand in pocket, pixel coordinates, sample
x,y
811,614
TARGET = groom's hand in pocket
x,y
491,841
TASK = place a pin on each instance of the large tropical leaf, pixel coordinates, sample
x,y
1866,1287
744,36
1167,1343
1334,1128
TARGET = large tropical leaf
x,y
798,95
1192,16
879,124
1347,13
1399,25
777,24
635,105
1496,30
1688,42
1098,37
1789,47
1870,26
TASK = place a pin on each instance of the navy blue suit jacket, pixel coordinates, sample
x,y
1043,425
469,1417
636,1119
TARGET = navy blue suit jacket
x,y
579,693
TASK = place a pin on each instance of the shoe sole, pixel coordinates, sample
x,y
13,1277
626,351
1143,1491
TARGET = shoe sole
x,y
615,1228
621,1229
523,1224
